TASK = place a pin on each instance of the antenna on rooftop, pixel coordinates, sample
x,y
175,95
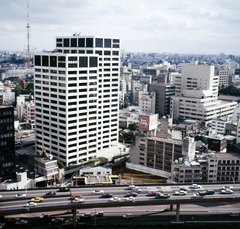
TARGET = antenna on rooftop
x,y
28,35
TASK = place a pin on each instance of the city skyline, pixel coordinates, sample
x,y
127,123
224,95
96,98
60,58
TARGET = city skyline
x,y
203,27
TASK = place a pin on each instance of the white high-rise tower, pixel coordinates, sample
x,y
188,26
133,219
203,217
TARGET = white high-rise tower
x,y
76,98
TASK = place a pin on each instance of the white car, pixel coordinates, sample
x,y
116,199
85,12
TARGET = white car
x,y
20,195
128,216
115,199
31,204
195,186
0,196
226,191
180,193
97,191
21,222
130,198
197,195
227,187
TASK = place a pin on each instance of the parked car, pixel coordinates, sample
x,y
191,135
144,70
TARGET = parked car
x,y
115,199
128,216
107,195
97,191
50,194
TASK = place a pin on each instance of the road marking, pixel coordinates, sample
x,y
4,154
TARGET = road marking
x,y
127,207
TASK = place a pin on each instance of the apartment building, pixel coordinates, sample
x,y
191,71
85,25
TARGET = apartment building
x,y
223,74
76,98
147,103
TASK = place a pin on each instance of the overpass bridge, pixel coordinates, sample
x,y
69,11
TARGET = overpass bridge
x,y
75,206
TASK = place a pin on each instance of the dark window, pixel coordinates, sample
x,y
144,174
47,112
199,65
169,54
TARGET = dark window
x,y
81,51
72,65
72,58
59,39
81,42
93,62
99,42
66,42
61,58
73,42
115,40
83,62
115,53
37,60
98,52
107,43
53,61
108,53
44,60
89,42
115,46
89,51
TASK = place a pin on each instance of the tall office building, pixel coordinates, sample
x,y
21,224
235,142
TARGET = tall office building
x,y
76,98
7,143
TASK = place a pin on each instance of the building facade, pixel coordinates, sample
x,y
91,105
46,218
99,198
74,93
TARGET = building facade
x,y
76,98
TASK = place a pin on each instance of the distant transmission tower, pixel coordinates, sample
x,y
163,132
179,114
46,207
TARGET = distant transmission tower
x,y
28,35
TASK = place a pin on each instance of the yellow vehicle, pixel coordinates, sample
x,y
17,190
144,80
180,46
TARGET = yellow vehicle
x,y
15,219
37,199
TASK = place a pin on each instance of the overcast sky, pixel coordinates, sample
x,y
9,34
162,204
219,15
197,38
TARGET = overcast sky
x,y
175,26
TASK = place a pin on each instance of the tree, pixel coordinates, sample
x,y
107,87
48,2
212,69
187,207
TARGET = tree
x,y
201,138
133,126
125,105
60,164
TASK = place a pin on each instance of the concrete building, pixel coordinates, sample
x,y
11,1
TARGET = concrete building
x,y
147,103
219,125
216,142
76,94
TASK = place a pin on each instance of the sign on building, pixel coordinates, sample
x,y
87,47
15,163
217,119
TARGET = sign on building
x,y
147,122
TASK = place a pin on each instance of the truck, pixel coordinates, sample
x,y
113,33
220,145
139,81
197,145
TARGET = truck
x,y
160,195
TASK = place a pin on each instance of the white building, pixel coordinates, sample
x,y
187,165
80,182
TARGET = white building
x,y
219,125
76,94
223,73
147,103
8,95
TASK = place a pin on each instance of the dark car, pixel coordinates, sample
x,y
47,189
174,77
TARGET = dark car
x,y
209,192
107,195
50,194
131,194
152,193
64,189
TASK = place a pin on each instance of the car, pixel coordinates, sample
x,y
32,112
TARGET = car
x,y
21,222
31,204
97,191
0,196
180,193
76,196
128,216
226,191
86,215
37,199
67,222
115,199
152,193
131,198
64,189
131,186
58,220
138,190
131,194
78,200
197,195
227,187
20,195
195,186
107,195
43,216
209,192
160,195
50,194
21,167
100,213
234,214
183,188
14,219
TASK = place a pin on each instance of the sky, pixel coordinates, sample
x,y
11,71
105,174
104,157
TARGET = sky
x,y
174,26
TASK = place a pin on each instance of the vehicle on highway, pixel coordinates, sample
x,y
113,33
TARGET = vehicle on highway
x,y
153,193
0,196
37,199
131,186
31,204
99,213
234,214
43,216
160,195
78,200
227,187
128,216
131,194
57,220
209,192
86,215
115,199
107,195
183,188
76,196
226,191
64,189
97,191
131,198
14,219
195,186
197,195
50,194
67,222
21,222
20,195
136,189
180,193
